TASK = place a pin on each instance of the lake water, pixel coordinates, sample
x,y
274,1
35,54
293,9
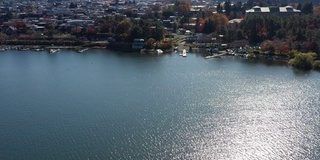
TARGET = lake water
x,y
105,105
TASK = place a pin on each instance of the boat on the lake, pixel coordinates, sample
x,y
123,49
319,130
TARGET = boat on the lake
x,y
184,53
159,51
53,51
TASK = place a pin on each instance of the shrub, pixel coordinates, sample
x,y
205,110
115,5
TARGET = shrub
x,y
292,54
314,55
302,61
316,65
268,46
150,44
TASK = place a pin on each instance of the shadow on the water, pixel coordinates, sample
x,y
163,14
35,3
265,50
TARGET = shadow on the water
x,y
265,62
133,54
301,72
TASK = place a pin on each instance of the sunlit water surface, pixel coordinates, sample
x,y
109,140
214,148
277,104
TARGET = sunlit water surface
x,y
106,105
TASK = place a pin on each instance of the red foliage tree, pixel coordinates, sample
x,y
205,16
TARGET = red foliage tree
x,y
283,49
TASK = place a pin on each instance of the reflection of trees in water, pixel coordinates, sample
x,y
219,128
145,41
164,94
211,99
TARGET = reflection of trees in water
x,y
300,72
266,62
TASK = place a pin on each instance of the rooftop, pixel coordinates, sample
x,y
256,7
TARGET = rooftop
x,y
286,9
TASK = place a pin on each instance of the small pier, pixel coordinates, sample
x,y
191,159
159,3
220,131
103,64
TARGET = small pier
x,y
216,55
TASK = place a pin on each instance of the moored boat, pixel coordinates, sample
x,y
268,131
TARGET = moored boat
x,y
184,53
53,51
159,51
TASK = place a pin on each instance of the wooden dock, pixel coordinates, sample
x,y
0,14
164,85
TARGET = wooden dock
x,y
216,55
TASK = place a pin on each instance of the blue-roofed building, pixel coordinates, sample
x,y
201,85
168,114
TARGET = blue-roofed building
x,y
137,43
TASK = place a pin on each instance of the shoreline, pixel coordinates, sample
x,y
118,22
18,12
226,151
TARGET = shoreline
x,y
44,47
142,52
261,58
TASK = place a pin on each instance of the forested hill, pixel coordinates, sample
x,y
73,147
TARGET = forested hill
x,y
278,2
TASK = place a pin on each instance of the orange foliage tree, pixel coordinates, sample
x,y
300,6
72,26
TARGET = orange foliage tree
x,y
215,21
316,10
200,25
183,7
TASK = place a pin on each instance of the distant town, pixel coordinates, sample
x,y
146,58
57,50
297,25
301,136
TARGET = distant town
x,y
254,27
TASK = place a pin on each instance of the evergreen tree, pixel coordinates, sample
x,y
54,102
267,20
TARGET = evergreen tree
x,y
307,8
219,8
73,5
227,7
9,15
299,6
136,32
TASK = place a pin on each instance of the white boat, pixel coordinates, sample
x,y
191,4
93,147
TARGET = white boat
x,y
184,53
52,51
39,49
159,51
82,50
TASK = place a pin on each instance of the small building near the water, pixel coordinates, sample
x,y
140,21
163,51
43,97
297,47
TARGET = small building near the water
x,y
137,43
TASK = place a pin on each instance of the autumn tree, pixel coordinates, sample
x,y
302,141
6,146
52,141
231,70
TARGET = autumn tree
x,y
252,27
200,25
150,43
280,47
122,30
156,31
268,46
316,10
213,22
183,8
258,28
207,13
3,37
